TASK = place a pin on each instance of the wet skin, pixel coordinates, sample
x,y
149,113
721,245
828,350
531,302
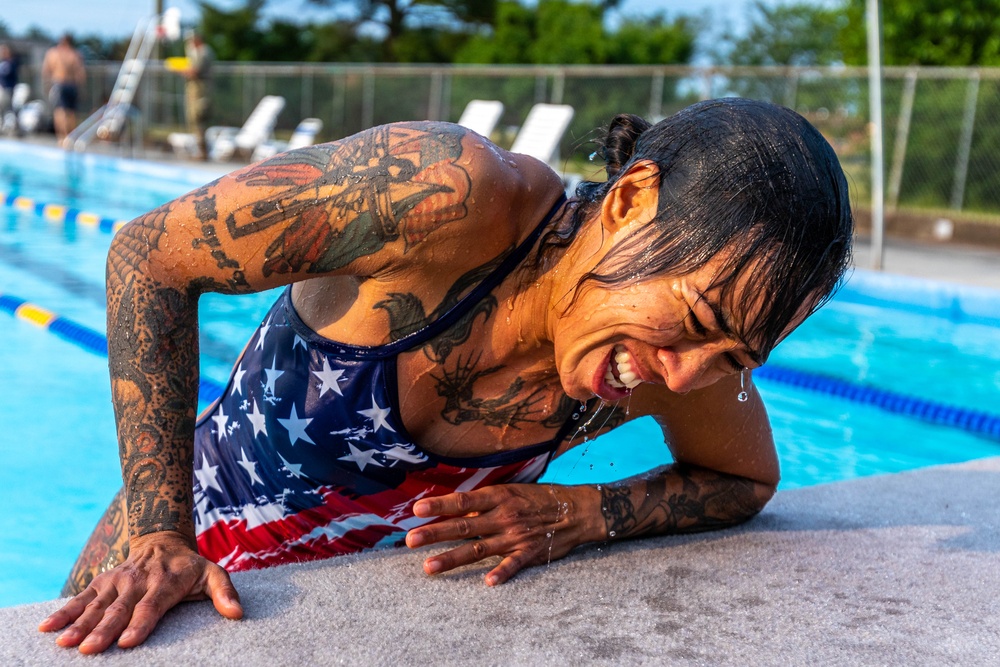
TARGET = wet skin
x,y
380,232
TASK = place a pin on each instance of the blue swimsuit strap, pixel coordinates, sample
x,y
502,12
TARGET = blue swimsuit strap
x,y
421,336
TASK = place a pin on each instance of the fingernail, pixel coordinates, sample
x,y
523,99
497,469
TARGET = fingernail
x,y
432,567
414,540
492,580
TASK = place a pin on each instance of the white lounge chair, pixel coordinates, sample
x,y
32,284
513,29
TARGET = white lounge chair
x,y
304,135
542,131
224,142
481,116
540,135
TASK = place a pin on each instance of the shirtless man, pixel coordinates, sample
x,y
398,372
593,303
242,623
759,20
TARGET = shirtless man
x,y
63,70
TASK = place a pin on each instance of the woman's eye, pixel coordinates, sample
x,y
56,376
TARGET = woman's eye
x,y
732,363
696,326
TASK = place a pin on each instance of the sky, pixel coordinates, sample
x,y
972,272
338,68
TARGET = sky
x,y
117,18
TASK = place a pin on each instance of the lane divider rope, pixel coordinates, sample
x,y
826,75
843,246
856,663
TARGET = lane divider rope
x,y
81,336
61,213
976,422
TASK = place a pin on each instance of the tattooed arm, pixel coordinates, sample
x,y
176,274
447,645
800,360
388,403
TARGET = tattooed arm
x,y
354,207
726,470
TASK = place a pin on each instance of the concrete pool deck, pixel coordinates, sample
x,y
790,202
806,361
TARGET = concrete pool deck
x,y
892,570
897,569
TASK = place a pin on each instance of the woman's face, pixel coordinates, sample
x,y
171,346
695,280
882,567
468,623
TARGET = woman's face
x,y
669,330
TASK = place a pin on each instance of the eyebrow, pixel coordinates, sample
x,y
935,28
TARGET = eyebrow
x,y
726,327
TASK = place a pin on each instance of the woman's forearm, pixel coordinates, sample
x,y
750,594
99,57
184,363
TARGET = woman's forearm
x,y
153,361
680,498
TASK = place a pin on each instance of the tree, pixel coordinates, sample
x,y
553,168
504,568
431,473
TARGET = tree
x,y
236,34
396,16
947,33
565,32
801,34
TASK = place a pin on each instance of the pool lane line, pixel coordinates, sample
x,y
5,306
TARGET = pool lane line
x,y
81,336
976,422
53,273
61,213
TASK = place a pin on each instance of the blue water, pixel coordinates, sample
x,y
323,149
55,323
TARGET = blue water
x,y
59,467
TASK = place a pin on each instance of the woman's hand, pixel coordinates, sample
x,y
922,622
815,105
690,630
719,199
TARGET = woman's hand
x,y
525,524
127,602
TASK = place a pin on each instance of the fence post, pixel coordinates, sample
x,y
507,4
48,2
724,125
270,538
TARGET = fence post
x,y
874,26
434,96
368,98
902,138
558,86
965,143
793,89
656,97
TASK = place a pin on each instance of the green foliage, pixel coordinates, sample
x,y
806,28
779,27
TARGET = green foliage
x,y
800,33
947,33
565,32
236,34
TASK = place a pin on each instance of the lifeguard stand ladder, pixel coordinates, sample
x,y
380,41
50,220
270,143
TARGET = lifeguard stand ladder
x,y
110,121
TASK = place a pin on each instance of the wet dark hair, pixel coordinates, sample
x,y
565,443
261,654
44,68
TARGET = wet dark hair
x,y
749,177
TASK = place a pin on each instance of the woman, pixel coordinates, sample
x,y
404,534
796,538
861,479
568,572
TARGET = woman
x,y
452,323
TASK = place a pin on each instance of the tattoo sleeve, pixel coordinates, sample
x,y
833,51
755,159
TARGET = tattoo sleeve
x,y
680,498
153,360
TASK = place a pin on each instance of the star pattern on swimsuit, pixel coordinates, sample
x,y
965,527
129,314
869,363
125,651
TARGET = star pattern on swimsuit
x,y
296,427
208,475
378,416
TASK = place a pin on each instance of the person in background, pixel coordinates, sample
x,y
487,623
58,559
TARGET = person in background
x,y
63,70
197,89
8,79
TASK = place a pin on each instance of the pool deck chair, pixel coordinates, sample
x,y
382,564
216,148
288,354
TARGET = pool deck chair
x,y
224,142
304,135
542,131
481,116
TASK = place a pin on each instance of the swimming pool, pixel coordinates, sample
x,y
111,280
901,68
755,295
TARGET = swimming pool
x,y
936,346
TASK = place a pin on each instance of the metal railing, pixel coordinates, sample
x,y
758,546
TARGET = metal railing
x,y
943,152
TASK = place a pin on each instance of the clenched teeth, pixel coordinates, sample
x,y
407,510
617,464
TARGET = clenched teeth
x,y
619,373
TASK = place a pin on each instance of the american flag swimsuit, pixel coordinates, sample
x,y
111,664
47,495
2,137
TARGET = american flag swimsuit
x,y
305,455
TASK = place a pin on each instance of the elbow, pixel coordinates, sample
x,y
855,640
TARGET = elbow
x,y
751,499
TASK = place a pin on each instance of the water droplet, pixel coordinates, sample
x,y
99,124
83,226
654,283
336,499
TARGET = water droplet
x,y
548,534
611,533
742,397
576,415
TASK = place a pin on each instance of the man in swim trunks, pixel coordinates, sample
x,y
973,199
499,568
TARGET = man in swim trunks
x,y
63,69
451,322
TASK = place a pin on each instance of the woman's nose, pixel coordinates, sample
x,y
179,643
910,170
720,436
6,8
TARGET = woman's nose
x,y
688,368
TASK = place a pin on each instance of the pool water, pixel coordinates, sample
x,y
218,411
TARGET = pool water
x,y
59,467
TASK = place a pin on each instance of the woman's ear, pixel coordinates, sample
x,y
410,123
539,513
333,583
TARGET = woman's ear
x,y
633,198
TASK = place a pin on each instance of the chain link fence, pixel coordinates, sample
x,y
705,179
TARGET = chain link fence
x,y
942,147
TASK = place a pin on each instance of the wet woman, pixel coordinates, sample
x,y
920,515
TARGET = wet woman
x,y
452,322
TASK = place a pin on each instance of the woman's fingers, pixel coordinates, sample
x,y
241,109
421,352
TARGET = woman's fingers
x,y
68,613
103,618
127,603
507,568
456,504
467,553
224,596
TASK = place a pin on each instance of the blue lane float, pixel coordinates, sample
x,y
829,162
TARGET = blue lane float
x,y
972,421
81,336
60,213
